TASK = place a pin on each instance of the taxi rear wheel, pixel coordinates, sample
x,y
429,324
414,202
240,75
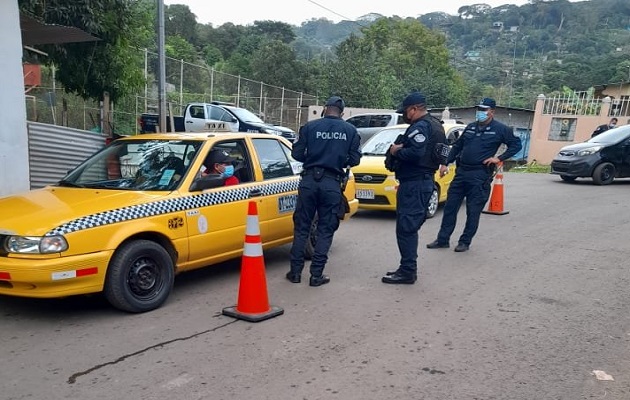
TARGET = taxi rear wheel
x,y
433,203
140,277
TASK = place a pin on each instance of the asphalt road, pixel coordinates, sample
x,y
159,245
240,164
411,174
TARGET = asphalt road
x,y
538,303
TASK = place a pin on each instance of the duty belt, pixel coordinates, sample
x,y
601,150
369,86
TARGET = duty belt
x,y
319,172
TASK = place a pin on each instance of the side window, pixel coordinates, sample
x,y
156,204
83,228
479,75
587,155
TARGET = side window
x,y
237,150
215,113
295,164
273,159
197,112
400,120
360,121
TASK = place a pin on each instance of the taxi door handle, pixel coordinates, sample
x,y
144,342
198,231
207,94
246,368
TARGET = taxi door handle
x,y
255,193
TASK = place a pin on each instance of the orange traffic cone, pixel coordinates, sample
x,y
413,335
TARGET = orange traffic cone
x,y
495,206
253,302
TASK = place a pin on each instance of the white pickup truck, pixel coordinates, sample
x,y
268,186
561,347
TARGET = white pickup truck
x,y
198,116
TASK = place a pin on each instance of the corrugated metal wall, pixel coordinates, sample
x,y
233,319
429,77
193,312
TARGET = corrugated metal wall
x,y
54,150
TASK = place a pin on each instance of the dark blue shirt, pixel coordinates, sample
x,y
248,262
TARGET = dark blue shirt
x,y
480,142
328,142
413,151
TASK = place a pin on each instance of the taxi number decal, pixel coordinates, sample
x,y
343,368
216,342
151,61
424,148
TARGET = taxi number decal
x,y
287,203
175,223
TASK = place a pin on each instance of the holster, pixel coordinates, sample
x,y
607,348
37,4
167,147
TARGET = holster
x,y
344,207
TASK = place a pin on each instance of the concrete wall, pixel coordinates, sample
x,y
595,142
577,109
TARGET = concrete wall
x,y
14,171
545,143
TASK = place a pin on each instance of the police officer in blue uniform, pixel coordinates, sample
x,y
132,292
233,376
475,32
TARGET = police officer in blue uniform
x,y
413,159
475,152
325,147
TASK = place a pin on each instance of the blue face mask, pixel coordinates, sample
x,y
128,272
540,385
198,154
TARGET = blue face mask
x,y
228,171
481,116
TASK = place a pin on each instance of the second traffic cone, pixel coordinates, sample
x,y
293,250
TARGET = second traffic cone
x,y
253,301
495,206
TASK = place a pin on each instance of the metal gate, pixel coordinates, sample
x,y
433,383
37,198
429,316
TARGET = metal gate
x,y
54,150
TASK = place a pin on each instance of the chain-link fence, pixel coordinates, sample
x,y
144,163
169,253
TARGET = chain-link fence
x,y
185,83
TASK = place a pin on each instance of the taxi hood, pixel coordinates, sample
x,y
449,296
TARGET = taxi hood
x,y
371,164
39,211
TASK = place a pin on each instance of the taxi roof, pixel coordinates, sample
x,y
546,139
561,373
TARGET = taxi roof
x,y
200,136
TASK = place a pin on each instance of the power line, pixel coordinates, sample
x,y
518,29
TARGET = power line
x,y
337,14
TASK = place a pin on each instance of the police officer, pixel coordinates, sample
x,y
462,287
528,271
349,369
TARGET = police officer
x,y
475,151
414,165
324,146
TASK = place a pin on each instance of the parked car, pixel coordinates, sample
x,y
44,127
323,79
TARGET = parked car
x,y
368,124
453,131
376,186
139,211
198,116
602,158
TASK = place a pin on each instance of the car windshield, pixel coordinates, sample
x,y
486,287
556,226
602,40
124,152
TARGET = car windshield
x,y
378,144
612,136
246,115
149,165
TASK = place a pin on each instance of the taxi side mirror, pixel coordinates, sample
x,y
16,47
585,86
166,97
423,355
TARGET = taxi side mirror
x,y
207,182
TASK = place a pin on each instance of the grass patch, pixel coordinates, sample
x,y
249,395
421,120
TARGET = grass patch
x,y
532,167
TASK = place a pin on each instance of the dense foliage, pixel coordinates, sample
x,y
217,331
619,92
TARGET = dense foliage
x,y
511,53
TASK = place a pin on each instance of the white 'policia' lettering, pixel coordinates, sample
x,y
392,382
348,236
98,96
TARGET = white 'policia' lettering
x,y
331,135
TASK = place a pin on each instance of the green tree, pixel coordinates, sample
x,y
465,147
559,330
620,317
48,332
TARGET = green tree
x,y
180,21
91,68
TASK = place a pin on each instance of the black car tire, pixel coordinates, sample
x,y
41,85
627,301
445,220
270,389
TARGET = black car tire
x,y
139,277
309,249
434,202
568,178
604,174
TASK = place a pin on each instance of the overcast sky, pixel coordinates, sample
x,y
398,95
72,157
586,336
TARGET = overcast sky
x,y
294,12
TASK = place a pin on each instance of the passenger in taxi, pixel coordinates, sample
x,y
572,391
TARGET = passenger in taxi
x,y
219,162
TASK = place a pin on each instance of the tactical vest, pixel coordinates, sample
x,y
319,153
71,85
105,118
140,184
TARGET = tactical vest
x,y
436,146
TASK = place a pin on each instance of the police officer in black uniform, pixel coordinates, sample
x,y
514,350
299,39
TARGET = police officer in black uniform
x,y
475,151
324,146
413,159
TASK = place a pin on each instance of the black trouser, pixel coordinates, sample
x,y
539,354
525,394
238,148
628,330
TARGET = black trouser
x,y
412,201
322,197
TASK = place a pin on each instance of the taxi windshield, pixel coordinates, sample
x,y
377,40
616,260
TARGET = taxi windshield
x,y
147,165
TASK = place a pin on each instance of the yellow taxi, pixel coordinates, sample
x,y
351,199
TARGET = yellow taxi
x,y
141,210
376,186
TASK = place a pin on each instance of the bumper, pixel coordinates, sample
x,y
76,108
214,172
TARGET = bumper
x,y
384,198
57,277
582,168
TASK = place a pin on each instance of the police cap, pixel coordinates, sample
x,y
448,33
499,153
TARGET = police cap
x,y
336,101
486,103
411,100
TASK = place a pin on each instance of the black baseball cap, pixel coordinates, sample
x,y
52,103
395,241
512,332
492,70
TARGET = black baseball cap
x,y
487,102
411,100
218,156
336,101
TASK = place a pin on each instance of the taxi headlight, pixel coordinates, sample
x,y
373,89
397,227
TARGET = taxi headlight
x,y
36,244
589,151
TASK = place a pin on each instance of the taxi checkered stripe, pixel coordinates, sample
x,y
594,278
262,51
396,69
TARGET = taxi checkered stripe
x,y
172,205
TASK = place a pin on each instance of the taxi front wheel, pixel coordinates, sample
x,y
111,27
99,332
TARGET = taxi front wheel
x,y
309,249
140,277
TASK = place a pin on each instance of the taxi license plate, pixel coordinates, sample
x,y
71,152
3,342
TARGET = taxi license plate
x,y
365,194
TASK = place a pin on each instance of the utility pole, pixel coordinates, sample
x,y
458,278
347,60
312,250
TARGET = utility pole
x,y
161,66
